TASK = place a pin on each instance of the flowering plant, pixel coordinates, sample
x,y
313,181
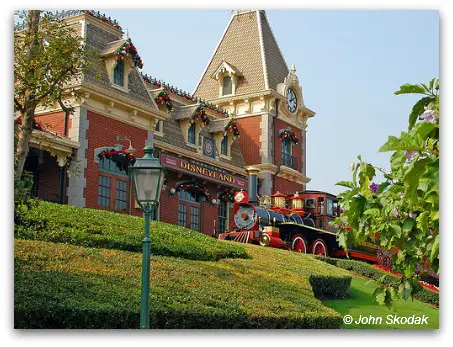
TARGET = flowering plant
x,y
126,48
232,126
289,134
402,213
163,98
121,158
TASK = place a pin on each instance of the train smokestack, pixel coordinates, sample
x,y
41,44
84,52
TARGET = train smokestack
x,y
253,185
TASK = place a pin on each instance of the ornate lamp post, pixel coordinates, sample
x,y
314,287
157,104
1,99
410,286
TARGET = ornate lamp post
x,y
147,177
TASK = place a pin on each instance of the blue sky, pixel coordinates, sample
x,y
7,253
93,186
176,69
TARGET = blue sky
x,y
349,64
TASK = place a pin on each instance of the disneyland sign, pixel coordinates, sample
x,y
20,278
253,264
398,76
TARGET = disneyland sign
x,y
203,170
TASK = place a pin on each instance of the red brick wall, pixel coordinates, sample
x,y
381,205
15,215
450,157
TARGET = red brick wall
x,y
54,122
286,187
296,150
249,141
48,178
102,132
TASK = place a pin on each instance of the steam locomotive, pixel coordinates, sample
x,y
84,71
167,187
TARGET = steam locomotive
x,y
298,222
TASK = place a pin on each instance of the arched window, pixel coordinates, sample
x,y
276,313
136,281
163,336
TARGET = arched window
x,y
227,86
224,146
118,73
191,134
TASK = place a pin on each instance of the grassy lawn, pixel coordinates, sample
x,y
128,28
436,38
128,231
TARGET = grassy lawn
x,y
360,304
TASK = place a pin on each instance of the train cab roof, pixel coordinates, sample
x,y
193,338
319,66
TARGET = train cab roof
x,y
318,192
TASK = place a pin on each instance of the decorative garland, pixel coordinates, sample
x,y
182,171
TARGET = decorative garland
x,y
183,94
232,127
226,196
35,124
126,48
121,158
201,114
288,133
163,98
192,187
102,17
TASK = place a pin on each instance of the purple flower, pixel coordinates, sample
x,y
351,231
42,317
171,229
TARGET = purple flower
x,y
374,187
395,212
428,116
410,154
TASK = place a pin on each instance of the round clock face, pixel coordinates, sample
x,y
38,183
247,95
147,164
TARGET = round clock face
x,y
291,100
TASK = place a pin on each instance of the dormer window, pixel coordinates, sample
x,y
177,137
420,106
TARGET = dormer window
x,y
227,76
118,74
191,134
227,86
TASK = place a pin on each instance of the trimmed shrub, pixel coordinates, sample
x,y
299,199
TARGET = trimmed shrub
x,y
330,287
65,286
102,229
368,270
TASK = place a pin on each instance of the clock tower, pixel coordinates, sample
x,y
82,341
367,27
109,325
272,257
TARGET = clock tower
x,y
248,76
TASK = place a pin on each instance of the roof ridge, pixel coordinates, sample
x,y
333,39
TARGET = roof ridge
x,y
263,54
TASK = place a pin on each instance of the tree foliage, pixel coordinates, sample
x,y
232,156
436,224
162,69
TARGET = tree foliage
x,y
401,214
49,56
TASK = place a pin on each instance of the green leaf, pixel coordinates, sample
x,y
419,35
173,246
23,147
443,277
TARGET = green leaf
x,y
410,89
424,129
397,160
405,142
417,110
373,212
346,184
408,224
342,241
431,84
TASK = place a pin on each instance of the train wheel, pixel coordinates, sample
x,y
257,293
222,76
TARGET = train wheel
x,y
299,245
319,247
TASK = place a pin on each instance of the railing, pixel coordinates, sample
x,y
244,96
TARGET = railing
x,y
289,161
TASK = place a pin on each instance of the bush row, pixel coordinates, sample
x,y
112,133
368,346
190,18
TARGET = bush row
x,y
66,286
368,270
102,229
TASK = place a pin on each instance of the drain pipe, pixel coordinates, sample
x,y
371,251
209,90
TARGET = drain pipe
x,y
274,178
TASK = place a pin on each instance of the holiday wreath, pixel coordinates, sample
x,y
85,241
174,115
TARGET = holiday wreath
x,y
200,113
126,48
289,134
232,127
163,98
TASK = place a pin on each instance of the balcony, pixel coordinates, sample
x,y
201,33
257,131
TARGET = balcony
x,y
289,161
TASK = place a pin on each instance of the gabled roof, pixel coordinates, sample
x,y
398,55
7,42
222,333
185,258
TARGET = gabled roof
x,y
226,67
249,45
112,47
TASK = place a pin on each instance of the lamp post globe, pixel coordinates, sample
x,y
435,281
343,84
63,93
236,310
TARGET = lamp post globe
x,y
146,175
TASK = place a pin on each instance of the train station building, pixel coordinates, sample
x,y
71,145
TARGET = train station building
x,y
247,109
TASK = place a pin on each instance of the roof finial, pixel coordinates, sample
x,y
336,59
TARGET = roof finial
x,y
126,34
293,68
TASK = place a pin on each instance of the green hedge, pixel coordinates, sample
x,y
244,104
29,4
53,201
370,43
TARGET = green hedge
x,y
368,270
102,229
66,286
330,287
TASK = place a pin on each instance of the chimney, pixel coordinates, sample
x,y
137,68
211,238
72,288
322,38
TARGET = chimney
x,y
253,185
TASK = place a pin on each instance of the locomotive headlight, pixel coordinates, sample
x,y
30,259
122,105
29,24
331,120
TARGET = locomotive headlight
x,y
265,240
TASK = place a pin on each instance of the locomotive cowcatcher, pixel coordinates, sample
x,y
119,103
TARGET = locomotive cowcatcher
x,y
298,222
